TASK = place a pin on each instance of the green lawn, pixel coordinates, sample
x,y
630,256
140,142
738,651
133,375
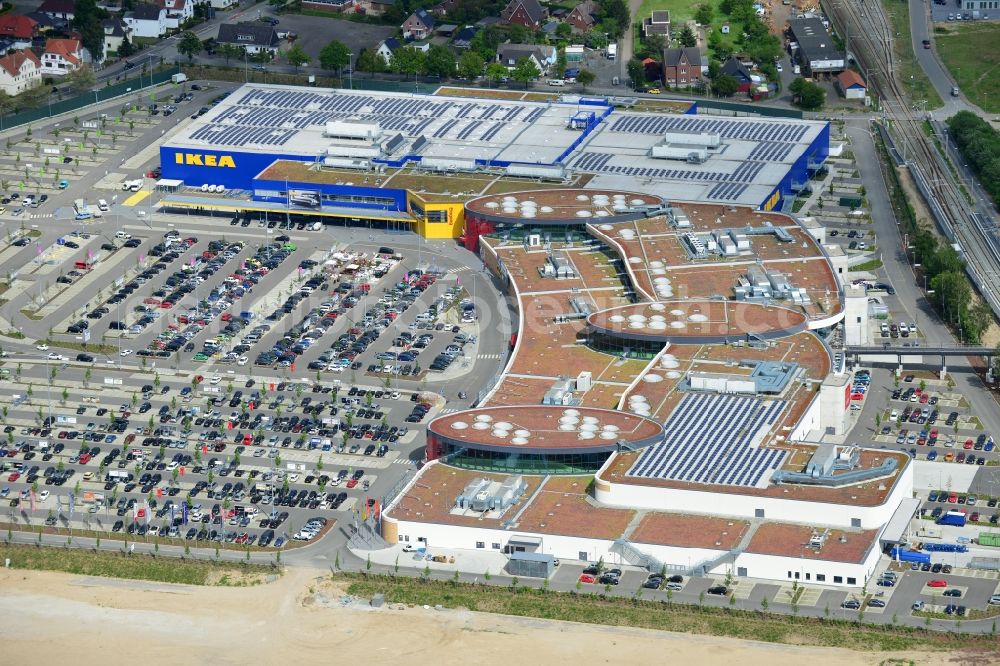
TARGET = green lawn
x,y
680,10
970,53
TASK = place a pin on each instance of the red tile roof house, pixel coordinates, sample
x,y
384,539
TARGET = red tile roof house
x,y
19,71
527,13
19,28
61,56
851,85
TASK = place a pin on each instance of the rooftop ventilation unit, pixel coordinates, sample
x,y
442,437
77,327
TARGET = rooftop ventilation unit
x,y
353,131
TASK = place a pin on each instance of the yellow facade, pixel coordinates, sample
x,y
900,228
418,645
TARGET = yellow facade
x,y
437,220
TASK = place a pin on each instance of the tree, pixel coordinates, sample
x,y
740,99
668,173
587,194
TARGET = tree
x,y
407,60
440,61
525,71
296,57
652,47
189,45
335,55
704,14
87,17
687,38
636,72
496,72
564,31
809,95
471,65
369,61
615,14
126,49
81,79
725,85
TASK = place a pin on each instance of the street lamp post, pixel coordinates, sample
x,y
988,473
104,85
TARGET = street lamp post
x,y
350,71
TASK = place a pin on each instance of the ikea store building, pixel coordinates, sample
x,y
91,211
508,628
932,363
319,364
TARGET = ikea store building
x,y
334,154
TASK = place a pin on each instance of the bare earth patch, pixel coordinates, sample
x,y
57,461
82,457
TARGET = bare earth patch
x,y
51,618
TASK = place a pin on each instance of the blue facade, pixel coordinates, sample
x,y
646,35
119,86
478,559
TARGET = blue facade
x,y
815,154
232,169
346,196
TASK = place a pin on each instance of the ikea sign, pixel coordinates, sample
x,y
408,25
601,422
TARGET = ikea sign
x,y
198,159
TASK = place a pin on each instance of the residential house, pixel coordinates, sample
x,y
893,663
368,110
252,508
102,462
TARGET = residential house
x,y
61,56
442,8
851,85
20,30
20,70
377,7
46,22
222,4
115,32
58,9
387,48
682,66
463,39
736,69
324,5
178,12
419,25
658,23
583,17
542,56
527,13
254,36
147,21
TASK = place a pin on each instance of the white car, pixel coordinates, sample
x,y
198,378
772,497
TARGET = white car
x,y
410,548
778,67
215,380
242,360
126,352
42,347
56,357
42,496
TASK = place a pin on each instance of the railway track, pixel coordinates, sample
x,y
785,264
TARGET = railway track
x,y
871,38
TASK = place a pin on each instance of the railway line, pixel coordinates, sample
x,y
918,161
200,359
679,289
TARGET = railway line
x,y
871,37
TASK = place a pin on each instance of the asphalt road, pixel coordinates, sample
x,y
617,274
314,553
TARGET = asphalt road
x,y
910,298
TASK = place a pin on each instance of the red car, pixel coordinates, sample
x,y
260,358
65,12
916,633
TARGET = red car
x,y
14,476
587,578
351,483
968,444
937,583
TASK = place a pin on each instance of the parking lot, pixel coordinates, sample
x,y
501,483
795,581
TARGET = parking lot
x,y
161,465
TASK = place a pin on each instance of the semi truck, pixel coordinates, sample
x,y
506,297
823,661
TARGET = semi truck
x,y
906,555
955,518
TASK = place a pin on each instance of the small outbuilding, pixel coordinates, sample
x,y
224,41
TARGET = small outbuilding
x,y
851,85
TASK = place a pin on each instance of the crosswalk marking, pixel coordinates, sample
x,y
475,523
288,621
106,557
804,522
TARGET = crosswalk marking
x,y
459,269
401,461
488,356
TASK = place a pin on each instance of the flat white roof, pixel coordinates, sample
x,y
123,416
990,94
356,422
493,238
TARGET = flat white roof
x,y
752,158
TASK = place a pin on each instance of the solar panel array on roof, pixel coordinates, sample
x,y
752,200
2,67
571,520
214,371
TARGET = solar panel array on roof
x,y
727,191
729,129
714,439
291,110
770,151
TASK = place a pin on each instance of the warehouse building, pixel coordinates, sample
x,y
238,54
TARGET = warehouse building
x,y
333,154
